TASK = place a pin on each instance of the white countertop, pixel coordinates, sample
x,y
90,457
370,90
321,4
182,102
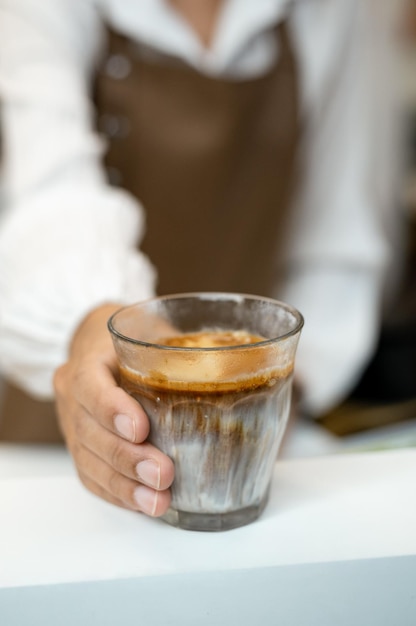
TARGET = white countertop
x,y
328,510
336,508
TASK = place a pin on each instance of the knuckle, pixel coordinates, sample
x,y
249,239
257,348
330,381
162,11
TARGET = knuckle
x,y
118,455
79,375
58,380
76,453
114,483
79,428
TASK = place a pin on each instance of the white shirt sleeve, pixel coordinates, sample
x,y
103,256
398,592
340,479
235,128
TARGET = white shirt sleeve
x,y
340,239
67,240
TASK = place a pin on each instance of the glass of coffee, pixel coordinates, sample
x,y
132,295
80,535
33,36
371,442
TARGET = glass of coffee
x,y
213,372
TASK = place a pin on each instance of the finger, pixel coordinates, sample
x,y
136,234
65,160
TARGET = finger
x,y
141,462
96,390
132,494
99,491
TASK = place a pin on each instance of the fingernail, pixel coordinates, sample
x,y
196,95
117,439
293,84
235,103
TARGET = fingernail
x,y
149,472
146,499
125,426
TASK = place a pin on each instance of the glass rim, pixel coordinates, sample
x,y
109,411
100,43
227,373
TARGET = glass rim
x,y
208,295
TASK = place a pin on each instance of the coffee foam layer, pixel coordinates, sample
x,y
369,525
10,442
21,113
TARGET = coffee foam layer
x,y
251,364
211,339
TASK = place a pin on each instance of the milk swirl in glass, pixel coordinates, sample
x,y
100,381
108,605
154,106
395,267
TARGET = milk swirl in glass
x,y
214,375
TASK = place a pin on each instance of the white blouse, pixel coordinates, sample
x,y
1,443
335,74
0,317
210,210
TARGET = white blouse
x,y
68,240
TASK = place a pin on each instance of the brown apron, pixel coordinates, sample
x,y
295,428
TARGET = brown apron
x,y
212,161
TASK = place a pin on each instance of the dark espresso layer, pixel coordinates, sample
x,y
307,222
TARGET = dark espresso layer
x,y
206,401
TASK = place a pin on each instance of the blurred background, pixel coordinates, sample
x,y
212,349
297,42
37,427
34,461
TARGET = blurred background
x,y
381,410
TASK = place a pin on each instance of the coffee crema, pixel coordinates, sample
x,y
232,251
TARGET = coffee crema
x,y
209,361
211,339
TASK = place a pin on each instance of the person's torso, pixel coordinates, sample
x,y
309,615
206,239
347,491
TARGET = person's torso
x,y
211,160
